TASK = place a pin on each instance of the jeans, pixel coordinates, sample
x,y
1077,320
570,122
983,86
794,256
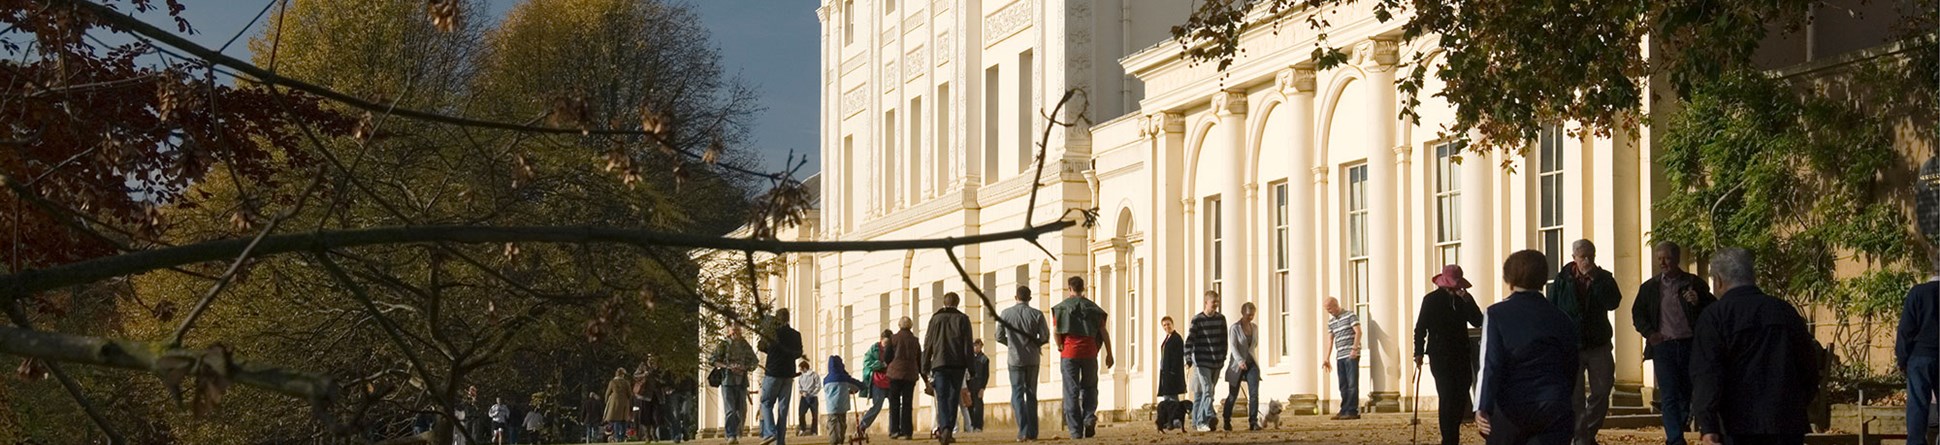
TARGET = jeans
x,y
1534,423
1452,381
1348,370
1600,365
619,430
592,433
1080,395
807,415
1672,360
949,396
902,408
1202,395
1919,387
735,399
838,428
1023,401
878,397
1252,380
775,392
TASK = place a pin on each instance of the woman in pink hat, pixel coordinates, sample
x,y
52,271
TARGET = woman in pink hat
x,y
1441,335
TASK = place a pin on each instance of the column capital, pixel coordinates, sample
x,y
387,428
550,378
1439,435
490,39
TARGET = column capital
x,y
1229,103
1188,203
1252,189
1401,153
1379,54
1295,80
822,13
1320,174
1156,124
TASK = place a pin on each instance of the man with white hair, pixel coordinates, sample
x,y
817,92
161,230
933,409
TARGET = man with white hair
x,y
1588,294
1754,364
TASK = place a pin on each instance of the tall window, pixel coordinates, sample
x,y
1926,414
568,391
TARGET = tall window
x,y
999,298
889,170
848,22
991,108
915,185
1025,151
849,183
1355,191
1448,203
1549,176
1282,285
1215,248
888,6
945,152
882,313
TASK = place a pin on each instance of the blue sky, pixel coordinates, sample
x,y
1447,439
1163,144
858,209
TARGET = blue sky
x,y
772,44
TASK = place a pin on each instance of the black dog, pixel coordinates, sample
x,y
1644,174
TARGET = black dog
x,y
1171,415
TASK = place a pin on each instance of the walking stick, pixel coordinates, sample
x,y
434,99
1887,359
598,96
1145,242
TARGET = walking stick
x,y
1415,422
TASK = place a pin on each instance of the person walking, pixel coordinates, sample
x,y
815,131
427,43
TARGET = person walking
x,y
1529,361
535,426
646,390
1441,337
1172,362
1587,294
619,396
592,413
875,377
905,357
499,415
1666,314
1026,346
734,357
1080,334
1206,343
1344,332
975,383
836,389
782,347
809,385
948,356
1244,369
1916,349
1754,363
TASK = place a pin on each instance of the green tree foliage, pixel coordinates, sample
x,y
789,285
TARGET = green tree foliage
x,y
1801,181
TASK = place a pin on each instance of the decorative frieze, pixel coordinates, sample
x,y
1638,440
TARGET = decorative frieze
x,y
913,63
946,47
854,62
1013,18
855,101
891,70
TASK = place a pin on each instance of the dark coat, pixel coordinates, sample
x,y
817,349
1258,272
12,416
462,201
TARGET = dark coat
x,y
782,352
1529,353
1602,296
905,357
1646,313
1443,325
1919,330
947,341
1754,366
1172,365
979,373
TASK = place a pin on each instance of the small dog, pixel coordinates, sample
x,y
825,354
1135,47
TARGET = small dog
x,y
1272,418
858,435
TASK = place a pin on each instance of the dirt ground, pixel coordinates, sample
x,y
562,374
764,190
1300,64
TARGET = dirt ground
x,y
1382,429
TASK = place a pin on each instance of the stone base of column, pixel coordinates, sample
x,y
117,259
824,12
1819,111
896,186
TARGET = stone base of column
x,y
1304,404
1385,401
1628,394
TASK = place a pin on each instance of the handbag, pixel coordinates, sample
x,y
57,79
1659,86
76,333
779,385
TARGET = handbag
x,y
963,395
715,377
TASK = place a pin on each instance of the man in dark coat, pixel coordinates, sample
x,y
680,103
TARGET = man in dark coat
x,y
1754,364
1588,293
979,378
782,347
592,413
1172,362
1917,348
905,367
1666,313
947,356
1441,335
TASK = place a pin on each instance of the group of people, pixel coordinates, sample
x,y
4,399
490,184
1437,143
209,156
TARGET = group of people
x,y
650,403
1740,364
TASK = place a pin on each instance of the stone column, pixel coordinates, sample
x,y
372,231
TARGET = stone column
x,y
1383,355
1230,107
1297,84
1478,224
1165,131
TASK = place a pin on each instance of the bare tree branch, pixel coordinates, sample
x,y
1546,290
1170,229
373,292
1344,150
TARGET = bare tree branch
x,y
54,367
30,281
141,356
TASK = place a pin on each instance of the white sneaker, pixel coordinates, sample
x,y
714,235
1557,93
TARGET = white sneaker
x,y
1202,428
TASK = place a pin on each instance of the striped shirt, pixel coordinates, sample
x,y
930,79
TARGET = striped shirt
x,y
1342,326
1207,341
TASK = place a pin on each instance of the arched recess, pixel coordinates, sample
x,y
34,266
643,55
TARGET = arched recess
x,y
1125,290
1256,135
1337,85
1195,151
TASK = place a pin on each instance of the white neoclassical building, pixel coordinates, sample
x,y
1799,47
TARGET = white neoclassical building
x,y
1273,182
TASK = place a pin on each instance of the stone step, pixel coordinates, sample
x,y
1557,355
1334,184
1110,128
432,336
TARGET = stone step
x,y
1632,421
